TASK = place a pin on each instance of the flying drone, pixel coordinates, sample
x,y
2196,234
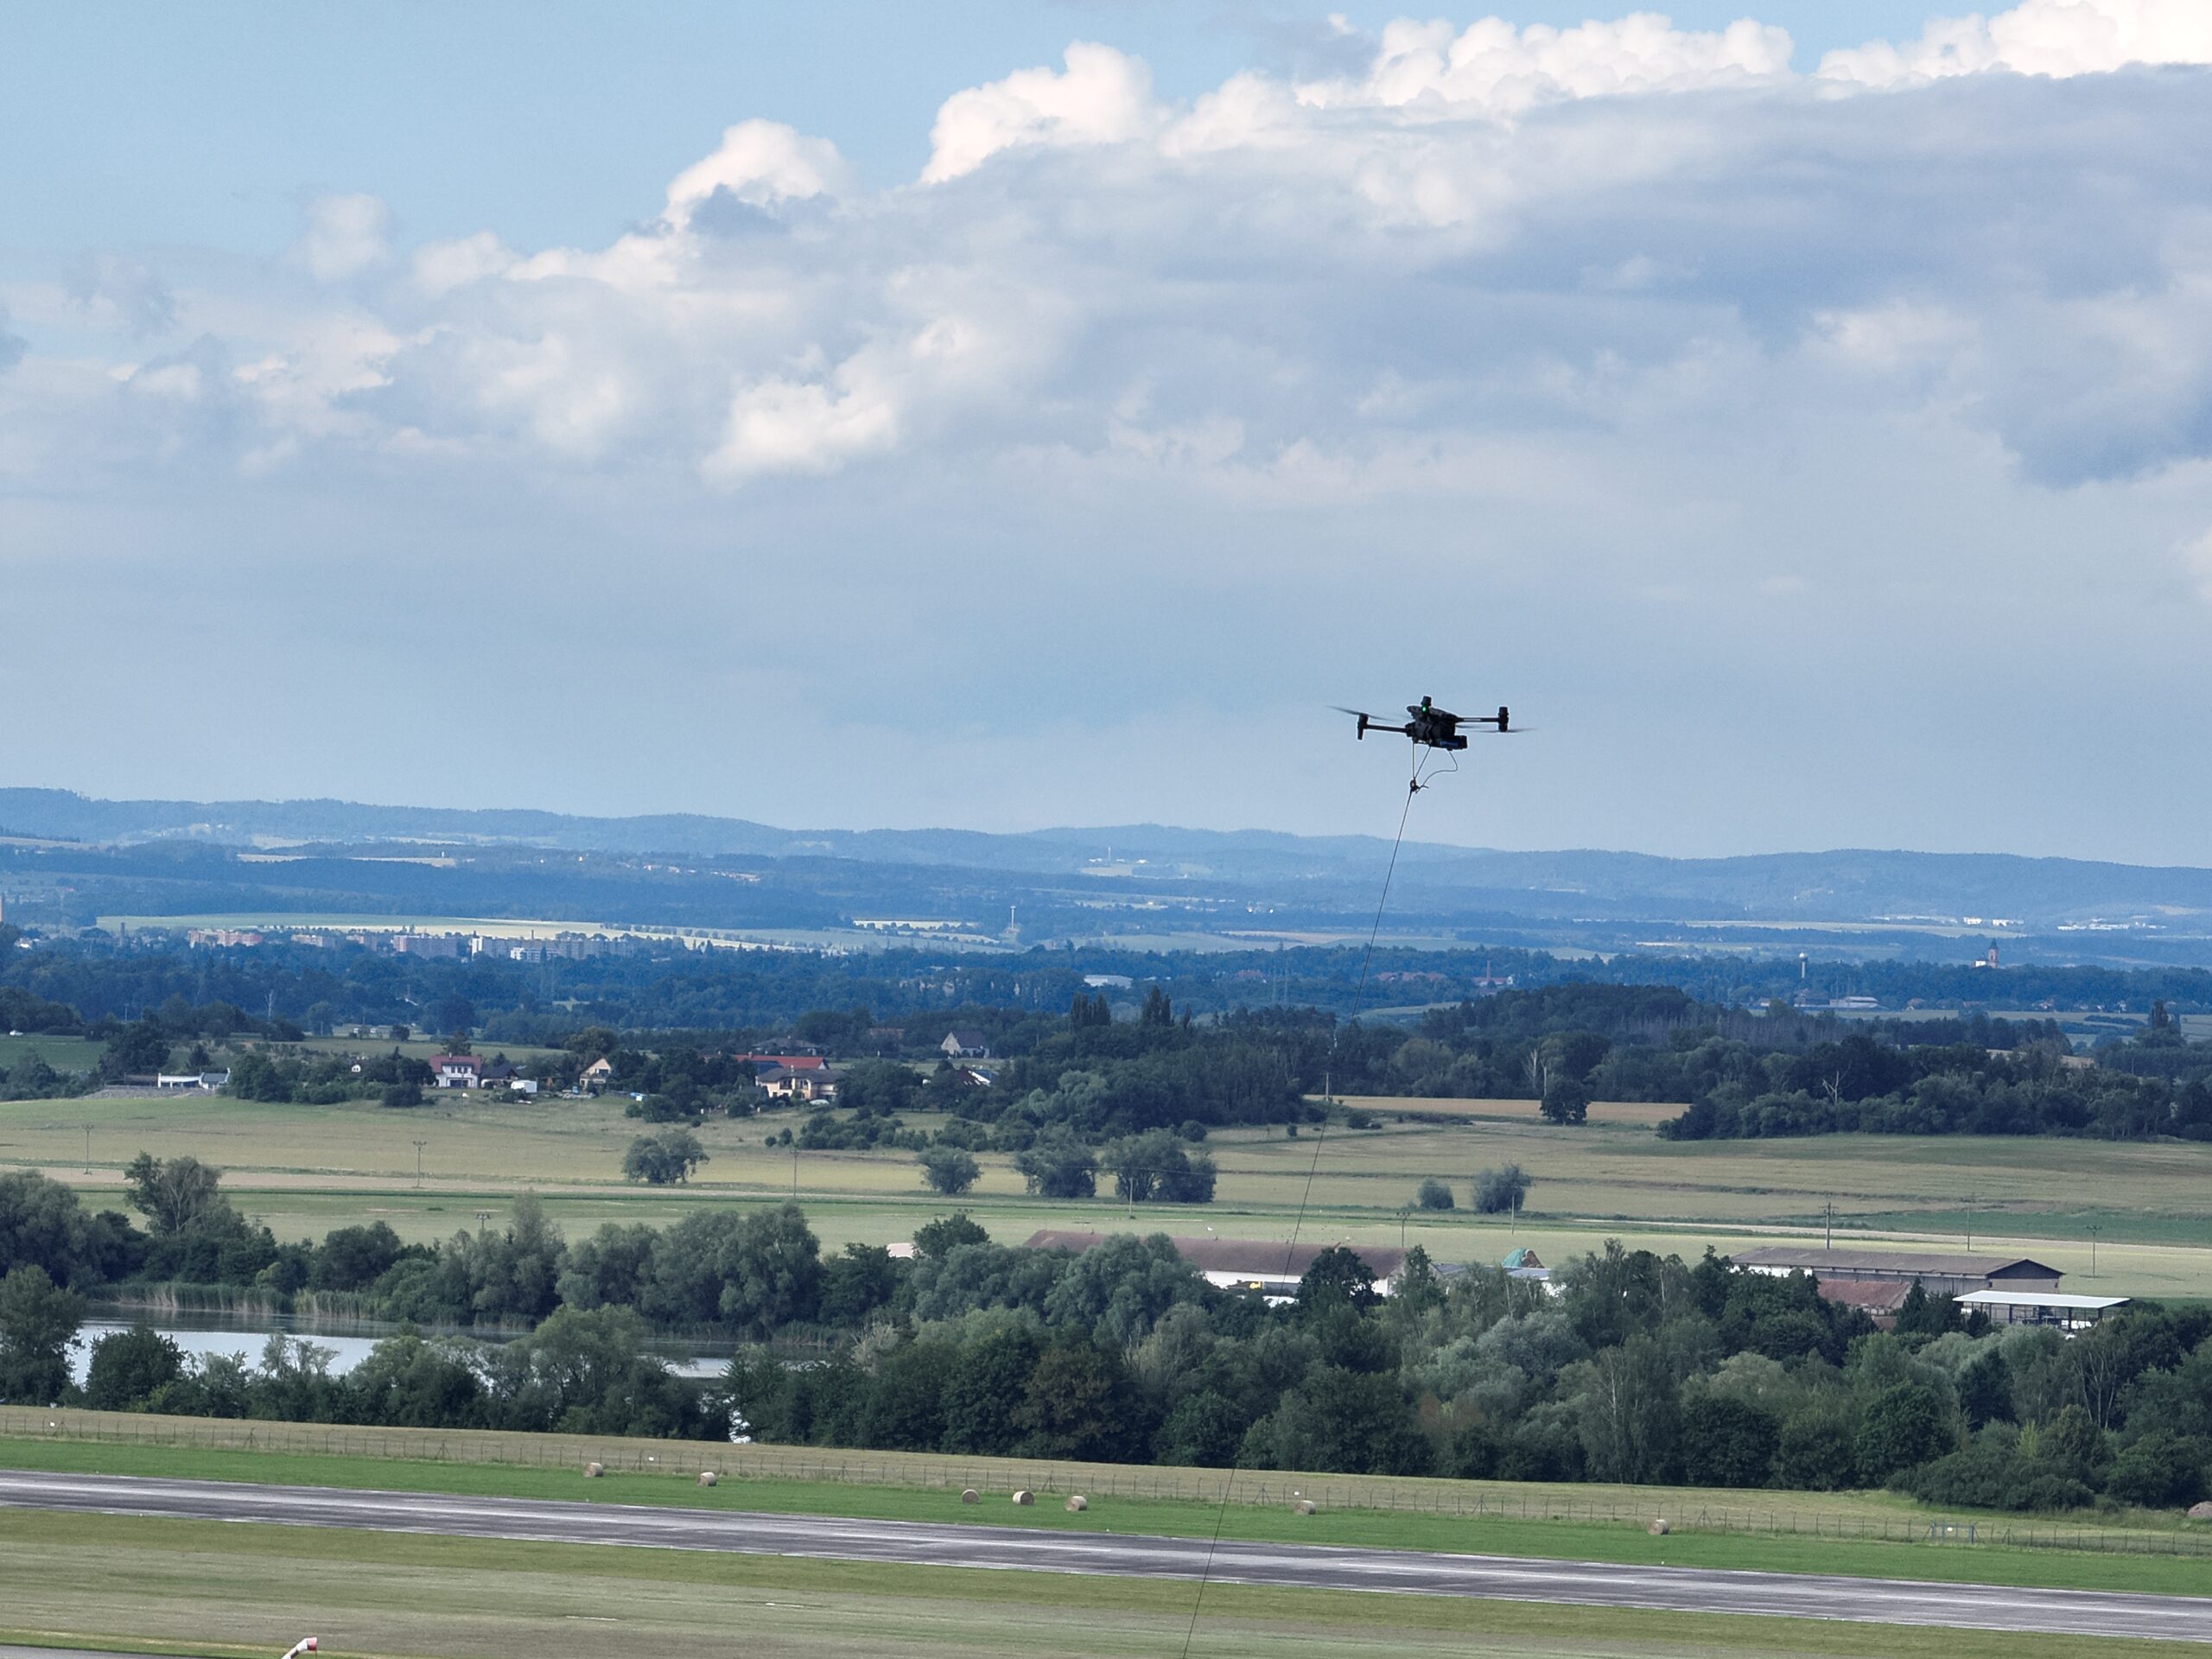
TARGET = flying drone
x,y
1432,728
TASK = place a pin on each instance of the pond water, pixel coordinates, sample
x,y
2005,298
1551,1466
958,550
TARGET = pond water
x,y
203,1335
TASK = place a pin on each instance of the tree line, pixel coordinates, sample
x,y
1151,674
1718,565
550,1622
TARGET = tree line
x,y
1641,1369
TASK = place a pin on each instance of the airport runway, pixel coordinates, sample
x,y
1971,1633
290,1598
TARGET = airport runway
x,y
1674,1589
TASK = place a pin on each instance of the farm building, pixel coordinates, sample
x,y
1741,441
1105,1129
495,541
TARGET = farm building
x,y
1878,1299
1949,1275
2041,1307
1242,1263
966,1046
1525,1263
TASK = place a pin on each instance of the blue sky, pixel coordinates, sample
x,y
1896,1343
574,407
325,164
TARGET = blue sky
x,y
1009,415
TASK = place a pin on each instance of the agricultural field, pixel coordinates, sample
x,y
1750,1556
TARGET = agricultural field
x,y
2129,1218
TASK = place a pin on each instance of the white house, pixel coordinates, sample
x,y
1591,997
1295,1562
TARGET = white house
x,y
456,1072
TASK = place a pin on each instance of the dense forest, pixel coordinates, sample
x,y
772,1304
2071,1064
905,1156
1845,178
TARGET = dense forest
x,y
1642,1368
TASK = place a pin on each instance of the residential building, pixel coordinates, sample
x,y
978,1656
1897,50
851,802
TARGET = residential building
x,y
965,1045
813,1084
456,1072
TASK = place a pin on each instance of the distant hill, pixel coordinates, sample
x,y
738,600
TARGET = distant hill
x,y
1586,896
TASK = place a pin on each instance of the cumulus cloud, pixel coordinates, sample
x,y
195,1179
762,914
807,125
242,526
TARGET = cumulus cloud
x,y
1491,66
345,236
2038,37
760,164
1356,280
1591,338
1100,97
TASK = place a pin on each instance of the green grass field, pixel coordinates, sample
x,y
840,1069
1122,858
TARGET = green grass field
x,y
1760,1531
62,1054
215,1588
306,1169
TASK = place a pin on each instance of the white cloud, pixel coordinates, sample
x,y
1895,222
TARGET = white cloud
x,y
785,426
345,236
440,267
760,163
1428,68
2038,37
1457,272
1103,97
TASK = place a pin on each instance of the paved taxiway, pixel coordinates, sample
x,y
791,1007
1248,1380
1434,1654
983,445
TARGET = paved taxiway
x,y
1675,1589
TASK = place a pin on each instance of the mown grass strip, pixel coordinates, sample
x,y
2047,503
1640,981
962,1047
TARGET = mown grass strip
x,y
217,1588
1624,1543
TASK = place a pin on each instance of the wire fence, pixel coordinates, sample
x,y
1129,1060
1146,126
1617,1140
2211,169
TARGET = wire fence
x,y
1473,1501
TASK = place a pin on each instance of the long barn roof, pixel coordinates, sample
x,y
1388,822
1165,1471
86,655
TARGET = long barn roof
x,y
1852,1264
1247,1257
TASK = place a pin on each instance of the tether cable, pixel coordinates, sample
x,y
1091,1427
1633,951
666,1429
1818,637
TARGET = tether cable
x,y
1413,786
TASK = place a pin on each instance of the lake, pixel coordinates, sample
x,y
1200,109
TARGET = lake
x,y
199,1336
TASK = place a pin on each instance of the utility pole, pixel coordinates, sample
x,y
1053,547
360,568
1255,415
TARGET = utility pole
x,y
88,1148
1827,1234
419,1145
2096,1228
794,1169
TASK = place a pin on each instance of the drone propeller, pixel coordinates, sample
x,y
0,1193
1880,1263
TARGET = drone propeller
x,y
1341,709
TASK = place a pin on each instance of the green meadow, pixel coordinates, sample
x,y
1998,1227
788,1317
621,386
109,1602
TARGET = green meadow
x,y
2130,1218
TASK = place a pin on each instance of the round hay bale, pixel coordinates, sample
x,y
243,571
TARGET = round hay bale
x,y
971,1496
1024,1499
1659,1528
2199,1511
1078,1504
593,1471
1307,1506
708,1477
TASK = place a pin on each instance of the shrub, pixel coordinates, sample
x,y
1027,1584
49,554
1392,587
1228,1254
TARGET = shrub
x,y
128,1366
1815,1452
1728,1442
949,1170
1058,1167
1565,1102
1902,1427
664,1159
2160,1471
1434,1195
1498,1191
